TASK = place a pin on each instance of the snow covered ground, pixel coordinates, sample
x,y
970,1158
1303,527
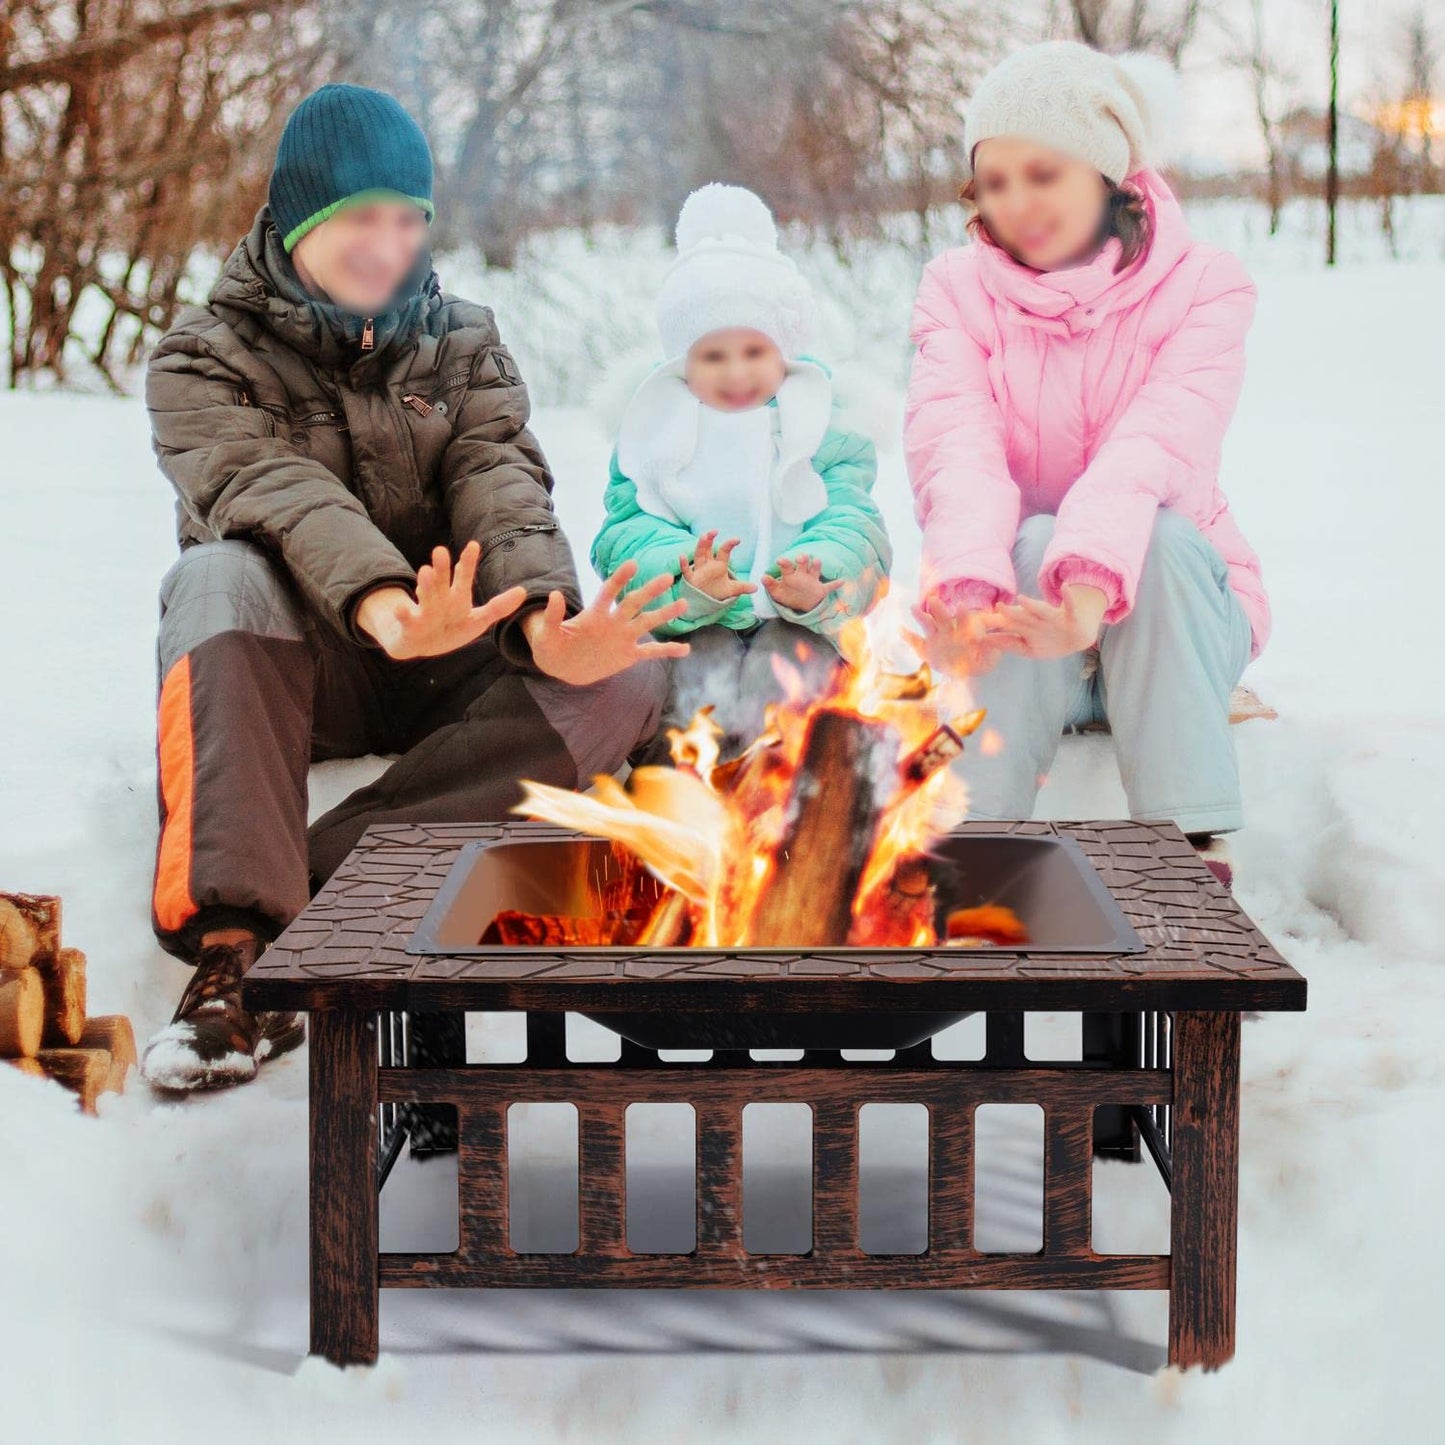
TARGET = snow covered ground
x,y
153,1262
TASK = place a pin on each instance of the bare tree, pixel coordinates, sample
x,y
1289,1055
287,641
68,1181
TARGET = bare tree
x,y
137,135
1401,102
127,134
1250,48
1118,25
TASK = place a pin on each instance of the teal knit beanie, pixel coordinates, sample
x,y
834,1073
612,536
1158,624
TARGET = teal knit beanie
x,y
344,144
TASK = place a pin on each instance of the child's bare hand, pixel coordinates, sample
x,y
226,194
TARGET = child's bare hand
x,y
800,584
711,571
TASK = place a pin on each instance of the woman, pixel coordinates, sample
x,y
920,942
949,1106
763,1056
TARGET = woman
x,y
1077,367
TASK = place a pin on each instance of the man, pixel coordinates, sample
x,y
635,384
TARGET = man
x,y
335,425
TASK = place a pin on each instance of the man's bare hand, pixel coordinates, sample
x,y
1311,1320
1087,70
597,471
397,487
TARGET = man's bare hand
x,y
799,583
607,636
711,571
443,617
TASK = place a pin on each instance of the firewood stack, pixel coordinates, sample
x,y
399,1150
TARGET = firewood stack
x,y
43,1027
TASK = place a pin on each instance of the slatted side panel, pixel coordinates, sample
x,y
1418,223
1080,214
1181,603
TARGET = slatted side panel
x,y
602,1178
601,1096
1068,1179
835,1177
951,1176
482,1179
720,1178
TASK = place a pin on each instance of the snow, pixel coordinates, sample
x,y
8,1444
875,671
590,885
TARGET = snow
x,y
153,1262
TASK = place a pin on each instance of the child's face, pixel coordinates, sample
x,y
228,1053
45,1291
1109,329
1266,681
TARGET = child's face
x,y
734,369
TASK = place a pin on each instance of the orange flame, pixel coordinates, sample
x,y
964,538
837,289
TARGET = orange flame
x,y
711,829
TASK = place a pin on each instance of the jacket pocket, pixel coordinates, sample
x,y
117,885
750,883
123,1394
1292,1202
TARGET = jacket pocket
x,y
495,366
432,397
268,413
322,418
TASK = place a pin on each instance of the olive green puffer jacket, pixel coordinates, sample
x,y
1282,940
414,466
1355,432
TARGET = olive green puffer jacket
x,y
349,446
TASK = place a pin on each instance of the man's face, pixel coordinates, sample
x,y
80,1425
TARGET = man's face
x,y
357,258
734,369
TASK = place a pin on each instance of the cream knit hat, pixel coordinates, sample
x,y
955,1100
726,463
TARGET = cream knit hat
x,y
729,272
1118,112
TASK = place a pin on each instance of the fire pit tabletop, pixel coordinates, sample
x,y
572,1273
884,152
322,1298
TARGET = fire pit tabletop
x,y
352,946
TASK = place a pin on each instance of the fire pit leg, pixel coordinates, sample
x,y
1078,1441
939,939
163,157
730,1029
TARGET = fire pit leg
x,y
1204,1208
344,1239
1113,1039
436,1039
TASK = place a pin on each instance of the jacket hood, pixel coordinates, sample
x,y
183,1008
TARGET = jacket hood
x,y
258,277
1076,298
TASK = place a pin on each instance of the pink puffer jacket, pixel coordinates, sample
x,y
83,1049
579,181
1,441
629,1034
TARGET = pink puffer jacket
x,y
1095,396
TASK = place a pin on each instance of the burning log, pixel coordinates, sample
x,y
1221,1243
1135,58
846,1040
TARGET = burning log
x,y
900,914
988,925
939,749
542,930
22,1013
669,925
64,982
843,782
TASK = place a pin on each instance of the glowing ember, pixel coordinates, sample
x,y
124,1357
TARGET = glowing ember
x,y
817,830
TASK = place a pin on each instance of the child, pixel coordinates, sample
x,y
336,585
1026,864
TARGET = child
x,y
735,467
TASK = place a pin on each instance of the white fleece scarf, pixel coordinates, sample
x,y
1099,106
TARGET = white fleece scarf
x,y
663,424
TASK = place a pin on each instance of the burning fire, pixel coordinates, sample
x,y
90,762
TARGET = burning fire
x,y
815,835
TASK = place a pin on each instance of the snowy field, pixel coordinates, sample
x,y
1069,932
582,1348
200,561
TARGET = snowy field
x,y
153,1262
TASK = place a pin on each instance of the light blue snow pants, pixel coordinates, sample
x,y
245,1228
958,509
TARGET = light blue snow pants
x,y
1165,674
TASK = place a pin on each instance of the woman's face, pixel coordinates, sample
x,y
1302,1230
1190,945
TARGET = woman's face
x,y
734,369
359,256
1045,207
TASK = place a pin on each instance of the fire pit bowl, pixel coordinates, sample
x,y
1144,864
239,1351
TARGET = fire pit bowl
x,y
1047,880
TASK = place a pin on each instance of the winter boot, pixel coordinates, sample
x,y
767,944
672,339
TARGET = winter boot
x,y
1215,853
211,1041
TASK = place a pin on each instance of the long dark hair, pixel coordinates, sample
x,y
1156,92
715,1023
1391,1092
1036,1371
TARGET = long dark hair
x,y
1126,216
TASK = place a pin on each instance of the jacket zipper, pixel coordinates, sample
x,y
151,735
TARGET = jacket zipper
x,y
368,334
424,406
265,412
517,531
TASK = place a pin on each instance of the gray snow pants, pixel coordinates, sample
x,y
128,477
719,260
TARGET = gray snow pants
x,y
737,671
253,687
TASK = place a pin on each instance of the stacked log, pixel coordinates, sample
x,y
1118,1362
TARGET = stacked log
x,y
44,1030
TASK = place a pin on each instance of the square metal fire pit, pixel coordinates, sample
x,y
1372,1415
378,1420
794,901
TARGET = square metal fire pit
x,y
1047,880
1130,929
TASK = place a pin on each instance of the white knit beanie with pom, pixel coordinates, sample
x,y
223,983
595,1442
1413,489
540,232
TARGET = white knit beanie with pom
x,y
1117,112
729,272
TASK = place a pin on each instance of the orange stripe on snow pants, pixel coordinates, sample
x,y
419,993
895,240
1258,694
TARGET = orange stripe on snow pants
x,y
173,902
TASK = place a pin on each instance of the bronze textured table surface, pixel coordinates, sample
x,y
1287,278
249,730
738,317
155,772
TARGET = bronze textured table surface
x,y
348,947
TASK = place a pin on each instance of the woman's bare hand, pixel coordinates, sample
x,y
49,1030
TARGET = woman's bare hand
x,y
956,643
711,571
1038,629
799,583
443,616
607,635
